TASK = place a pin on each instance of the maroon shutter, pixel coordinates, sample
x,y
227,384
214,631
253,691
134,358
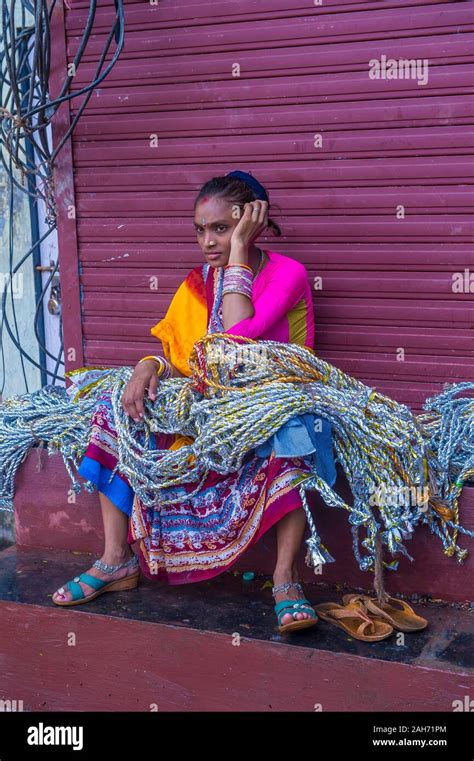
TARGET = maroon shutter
x,y
387,283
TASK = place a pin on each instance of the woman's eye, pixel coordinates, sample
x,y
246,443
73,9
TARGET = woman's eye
x,y
220,229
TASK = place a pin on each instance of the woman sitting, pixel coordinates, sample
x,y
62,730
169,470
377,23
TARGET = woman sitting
x,y
244,291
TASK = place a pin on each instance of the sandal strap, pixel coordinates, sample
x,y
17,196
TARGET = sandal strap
x,y
367,603
364,624
286,586
349,612
76,590
92,581
372,604
404,606
107,568
352,612
302,602
294,606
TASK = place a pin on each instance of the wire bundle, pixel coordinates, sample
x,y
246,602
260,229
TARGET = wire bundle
x,y
27,109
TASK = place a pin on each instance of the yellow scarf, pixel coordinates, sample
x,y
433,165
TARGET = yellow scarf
x,y
184,323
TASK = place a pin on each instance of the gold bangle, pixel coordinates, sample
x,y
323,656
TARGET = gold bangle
x,y
149,356
160,370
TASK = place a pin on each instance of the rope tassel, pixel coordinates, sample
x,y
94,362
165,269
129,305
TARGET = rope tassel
x,y
316,553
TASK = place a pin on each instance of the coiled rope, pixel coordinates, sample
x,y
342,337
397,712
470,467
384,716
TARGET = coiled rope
x,y
403,469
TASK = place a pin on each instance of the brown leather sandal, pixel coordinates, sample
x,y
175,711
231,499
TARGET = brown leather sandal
x,y
402,618
354,621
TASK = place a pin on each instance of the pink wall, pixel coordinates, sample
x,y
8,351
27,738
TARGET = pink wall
x,y
387,282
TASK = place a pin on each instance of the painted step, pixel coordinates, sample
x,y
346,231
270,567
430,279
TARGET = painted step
x,y
211,646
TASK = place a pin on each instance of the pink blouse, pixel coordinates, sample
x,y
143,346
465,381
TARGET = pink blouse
x,y
282,302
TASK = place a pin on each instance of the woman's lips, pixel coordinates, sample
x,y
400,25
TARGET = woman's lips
x,y
214,255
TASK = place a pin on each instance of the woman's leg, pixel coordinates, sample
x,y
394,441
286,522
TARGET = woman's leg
x,y
116,550
290,532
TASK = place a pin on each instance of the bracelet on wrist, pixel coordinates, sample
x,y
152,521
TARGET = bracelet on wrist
x,y
163,370
238,279
238,264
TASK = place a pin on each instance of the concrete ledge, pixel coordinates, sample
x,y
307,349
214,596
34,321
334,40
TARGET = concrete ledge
x,y
210,646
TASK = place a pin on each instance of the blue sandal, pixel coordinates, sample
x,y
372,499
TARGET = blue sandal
x,y
301,605
100,585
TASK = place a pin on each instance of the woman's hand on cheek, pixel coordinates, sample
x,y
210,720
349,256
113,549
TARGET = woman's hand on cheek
x,y
252,222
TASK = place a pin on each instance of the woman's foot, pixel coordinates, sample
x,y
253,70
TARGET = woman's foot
x,y
63,594
283,577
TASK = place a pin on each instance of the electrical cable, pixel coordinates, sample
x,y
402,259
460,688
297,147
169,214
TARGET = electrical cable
x,y
26,113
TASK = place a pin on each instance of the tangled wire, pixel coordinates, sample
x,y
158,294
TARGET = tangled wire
x,y
402,469
27,110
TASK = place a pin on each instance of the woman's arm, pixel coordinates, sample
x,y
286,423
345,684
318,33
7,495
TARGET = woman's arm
x,y
144,378
236,306
175,373
279,296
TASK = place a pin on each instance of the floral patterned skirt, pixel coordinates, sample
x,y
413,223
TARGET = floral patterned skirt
x,y
203,536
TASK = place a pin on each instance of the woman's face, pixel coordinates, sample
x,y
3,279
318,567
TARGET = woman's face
x,y
214,226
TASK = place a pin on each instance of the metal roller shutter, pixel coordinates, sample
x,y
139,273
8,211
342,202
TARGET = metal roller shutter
x,y
386,281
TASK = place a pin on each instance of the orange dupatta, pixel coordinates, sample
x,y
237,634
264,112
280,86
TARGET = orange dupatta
x,y
184,323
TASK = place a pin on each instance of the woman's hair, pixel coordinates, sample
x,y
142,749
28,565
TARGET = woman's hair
x,y
235,191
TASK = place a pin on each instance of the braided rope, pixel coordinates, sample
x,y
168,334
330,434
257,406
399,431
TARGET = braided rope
x,y
241,392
